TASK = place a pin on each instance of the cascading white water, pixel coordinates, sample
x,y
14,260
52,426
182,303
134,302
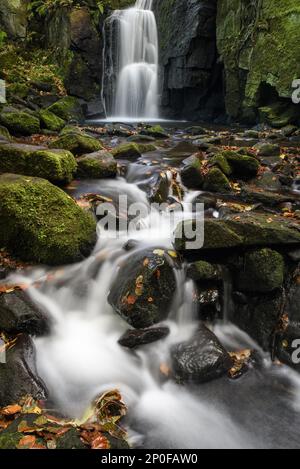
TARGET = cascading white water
x,y
136,94
82,358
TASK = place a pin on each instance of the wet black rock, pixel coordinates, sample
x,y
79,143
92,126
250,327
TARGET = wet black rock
x,y
19,314
144,287
159,188
18,376
136,338
202,271
200,359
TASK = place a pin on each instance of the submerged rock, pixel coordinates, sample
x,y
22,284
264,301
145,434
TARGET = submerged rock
x,y
20,123
18,376
200,359
58,166
136,338
19,314
216,181
96,165
77,143
144,287
40,223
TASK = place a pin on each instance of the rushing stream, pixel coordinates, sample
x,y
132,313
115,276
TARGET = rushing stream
x,y
134,63
82,357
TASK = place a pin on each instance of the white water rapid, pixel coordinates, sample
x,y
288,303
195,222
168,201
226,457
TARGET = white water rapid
x,y
136,88
82,358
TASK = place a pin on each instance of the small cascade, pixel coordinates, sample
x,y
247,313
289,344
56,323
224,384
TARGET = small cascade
x,y
131,63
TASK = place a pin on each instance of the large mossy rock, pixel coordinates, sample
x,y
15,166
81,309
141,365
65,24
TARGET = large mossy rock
x,y
40,223
77,143
20,123
50,121
248,229
216,181
259,45
67,108
58,166
129,151
98,165
261,271
14,18
144,287
242,166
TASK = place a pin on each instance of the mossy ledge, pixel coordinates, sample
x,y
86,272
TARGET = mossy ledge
x,y
41,223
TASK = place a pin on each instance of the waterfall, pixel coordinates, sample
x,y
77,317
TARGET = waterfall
x,y
131,64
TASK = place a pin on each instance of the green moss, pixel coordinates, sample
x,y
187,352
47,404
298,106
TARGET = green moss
x,y
156,131
67,108
127,151
40,223
20,123
243,166
17,89
78,144
202,271
261,271
145,147
5,133
221,162
216,181
97,166
58,166
50,121
10,440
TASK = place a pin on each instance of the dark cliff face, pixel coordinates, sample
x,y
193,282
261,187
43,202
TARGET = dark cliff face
x,y
191,77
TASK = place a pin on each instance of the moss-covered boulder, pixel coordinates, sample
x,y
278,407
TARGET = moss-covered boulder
x,y
267,149
97,165
4,133
259,45
191,175
221,162
248,229
67,108
19,90
155,131
243,166
20,123
41,223
216,181
58,166
202,271
78,144
50,121
261,271
128,151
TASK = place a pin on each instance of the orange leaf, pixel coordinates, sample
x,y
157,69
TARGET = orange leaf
x,y
27,442
11,410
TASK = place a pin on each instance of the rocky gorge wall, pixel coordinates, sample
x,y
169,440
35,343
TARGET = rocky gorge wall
x,y
191,77
258,41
